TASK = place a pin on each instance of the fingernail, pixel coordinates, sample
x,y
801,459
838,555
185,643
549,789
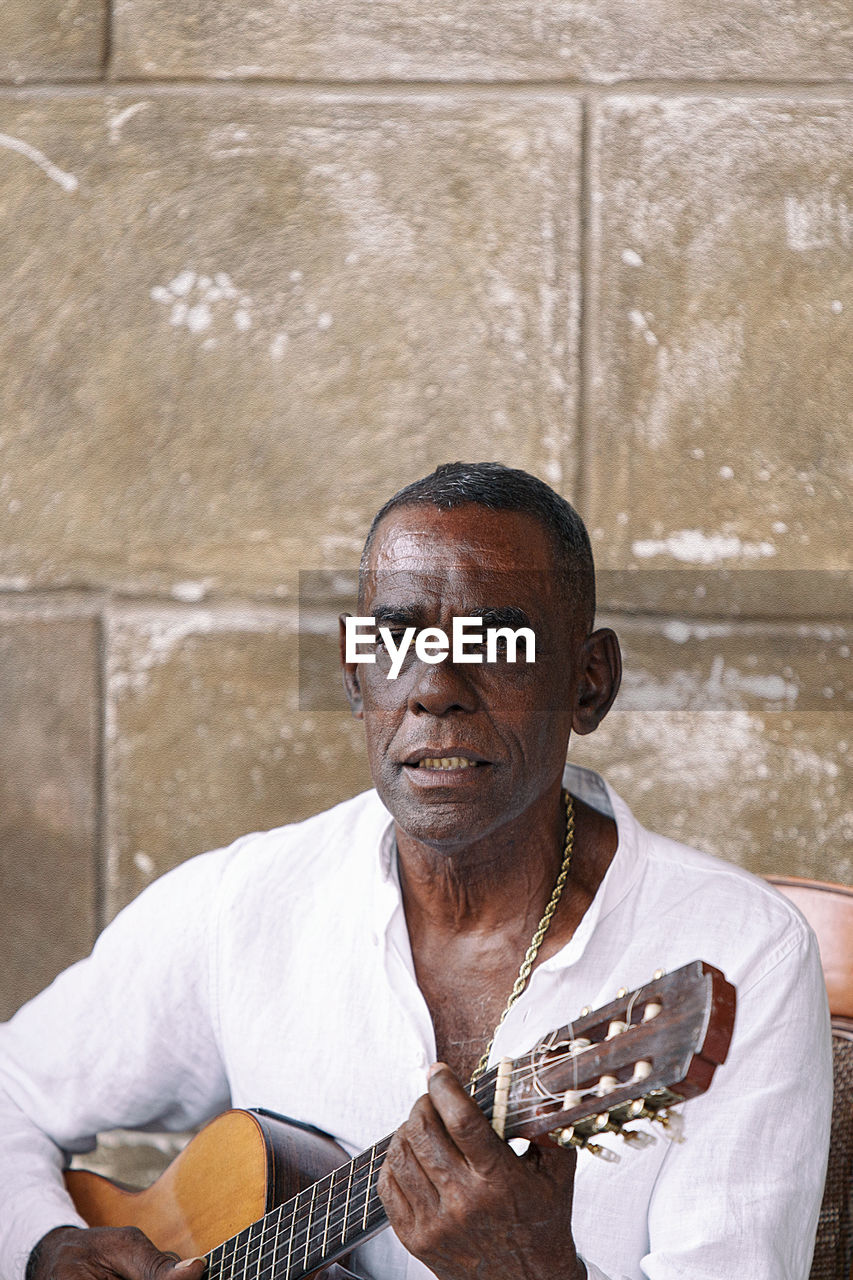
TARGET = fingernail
x,y
435,1068
188,1262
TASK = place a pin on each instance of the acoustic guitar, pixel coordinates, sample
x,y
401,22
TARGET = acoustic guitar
x,y
270,1199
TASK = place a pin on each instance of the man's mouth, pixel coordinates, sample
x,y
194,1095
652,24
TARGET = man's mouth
x,y
447,762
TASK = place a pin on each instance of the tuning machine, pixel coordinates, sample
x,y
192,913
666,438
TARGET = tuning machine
x,y
568,1138
639,1138
672,1122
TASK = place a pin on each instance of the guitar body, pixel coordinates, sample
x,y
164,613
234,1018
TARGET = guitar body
x,y
239,1167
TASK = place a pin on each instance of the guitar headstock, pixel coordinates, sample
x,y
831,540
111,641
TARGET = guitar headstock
x,y
633,1058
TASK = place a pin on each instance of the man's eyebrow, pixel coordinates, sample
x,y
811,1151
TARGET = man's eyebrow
x,y
400,615
502,616
411,615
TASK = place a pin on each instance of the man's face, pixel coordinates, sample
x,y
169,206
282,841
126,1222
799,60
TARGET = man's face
x,y
503,727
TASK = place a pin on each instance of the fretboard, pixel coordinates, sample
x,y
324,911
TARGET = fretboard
x,y
320,1224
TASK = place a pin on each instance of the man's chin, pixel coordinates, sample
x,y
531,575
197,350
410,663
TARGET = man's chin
x,y
445,814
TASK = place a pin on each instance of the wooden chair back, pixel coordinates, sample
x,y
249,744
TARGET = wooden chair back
x,y
829,910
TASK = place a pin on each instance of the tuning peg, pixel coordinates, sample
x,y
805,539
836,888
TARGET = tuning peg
x,y
642,1070
607,1084
566,1137
672,1123
658,973
651,1010
639,1111
616,1028
621,993
602,1153
585,1011
639,1138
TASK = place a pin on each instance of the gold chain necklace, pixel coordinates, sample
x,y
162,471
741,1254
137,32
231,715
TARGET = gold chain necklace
x,y
536,941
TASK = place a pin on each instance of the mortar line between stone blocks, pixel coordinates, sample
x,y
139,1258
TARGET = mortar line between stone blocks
x,y
808,90
581,495
772,625
108,39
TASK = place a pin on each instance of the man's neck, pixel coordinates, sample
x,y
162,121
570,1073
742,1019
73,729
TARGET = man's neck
x,y
471,920
501,884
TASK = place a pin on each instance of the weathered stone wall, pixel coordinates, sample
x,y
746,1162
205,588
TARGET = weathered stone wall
x,y
264,262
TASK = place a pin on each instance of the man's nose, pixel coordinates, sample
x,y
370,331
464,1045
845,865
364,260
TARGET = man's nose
x,y
440,687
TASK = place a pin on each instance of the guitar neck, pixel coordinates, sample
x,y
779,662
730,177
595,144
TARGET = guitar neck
x,y
319,1225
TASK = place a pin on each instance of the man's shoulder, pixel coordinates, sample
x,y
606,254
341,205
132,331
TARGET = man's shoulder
x,y
687,903
348,833
688,869
727,910
285,859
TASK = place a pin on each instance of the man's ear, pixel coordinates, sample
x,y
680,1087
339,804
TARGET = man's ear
x,y
600,680
352,688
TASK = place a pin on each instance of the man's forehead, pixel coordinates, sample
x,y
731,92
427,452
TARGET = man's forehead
x,y
484,560
424,537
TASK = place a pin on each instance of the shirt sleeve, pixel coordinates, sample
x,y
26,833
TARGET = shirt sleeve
x,y
127,1038
741,1195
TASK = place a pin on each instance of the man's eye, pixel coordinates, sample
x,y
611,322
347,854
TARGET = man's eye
x,y
395,636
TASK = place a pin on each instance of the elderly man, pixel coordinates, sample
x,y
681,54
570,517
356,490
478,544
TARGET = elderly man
x,y
318,970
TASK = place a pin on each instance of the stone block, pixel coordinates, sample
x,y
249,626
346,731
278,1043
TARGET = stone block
x,y
269,312
206,740
48,796
723,304
737,741
514,40
52,39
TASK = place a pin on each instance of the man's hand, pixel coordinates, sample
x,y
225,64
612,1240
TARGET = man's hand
x,y
103,1253
463,1202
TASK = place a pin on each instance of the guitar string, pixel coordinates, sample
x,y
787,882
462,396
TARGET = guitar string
x,y
261,1267
359,1189
243,1239
239,1260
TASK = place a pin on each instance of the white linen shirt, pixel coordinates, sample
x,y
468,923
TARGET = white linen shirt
x,y
278,973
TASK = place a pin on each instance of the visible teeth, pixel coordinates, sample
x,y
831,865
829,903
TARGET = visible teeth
x,y
446,762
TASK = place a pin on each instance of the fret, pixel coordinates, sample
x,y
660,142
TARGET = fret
x,y
248,1235
232,1256
255,1249
308,1225
275,1242
329,1197
263,1224
367,1191
214,1264
346,1202
290,1241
